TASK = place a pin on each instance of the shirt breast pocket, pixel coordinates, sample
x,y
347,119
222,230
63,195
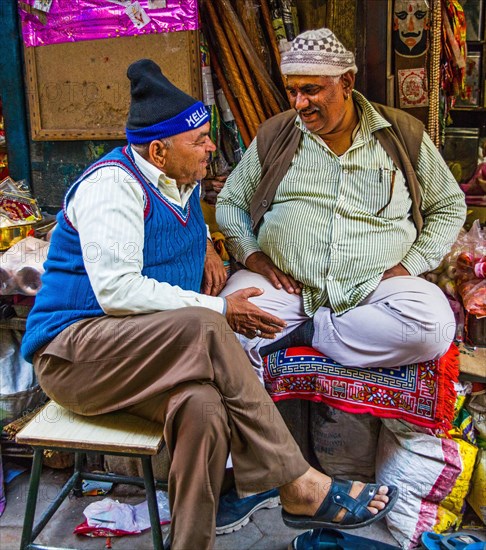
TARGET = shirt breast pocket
x,y
389,195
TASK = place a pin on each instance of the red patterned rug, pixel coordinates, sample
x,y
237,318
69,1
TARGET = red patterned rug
x,y
422,394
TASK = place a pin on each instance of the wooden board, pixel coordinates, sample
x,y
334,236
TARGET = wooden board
x,y
79,90
54,426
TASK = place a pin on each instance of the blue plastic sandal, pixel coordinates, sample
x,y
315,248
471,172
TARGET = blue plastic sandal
x,y
332,539
452,541
357,514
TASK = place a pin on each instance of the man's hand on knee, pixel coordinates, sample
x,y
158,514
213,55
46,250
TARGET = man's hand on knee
x,y
396,271
248,319
260,263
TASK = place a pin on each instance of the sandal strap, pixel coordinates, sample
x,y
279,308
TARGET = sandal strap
x,y
338,498
357,506
329,508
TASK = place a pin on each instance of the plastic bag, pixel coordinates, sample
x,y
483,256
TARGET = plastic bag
x,y
471,270
21,267
432,473
444,275
17,206
110,518
19,390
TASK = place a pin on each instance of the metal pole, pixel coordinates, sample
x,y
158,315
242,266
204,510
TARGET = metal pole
x,y
148,476
31,500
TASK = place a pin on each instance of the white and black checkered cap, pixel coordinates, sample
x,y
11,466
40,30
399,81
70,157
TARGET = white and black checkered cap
x,y
317,53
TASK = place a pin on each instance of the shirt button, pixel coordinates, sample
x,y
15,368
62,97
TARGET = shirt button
x,y
330,278
345,171
338,216
334,246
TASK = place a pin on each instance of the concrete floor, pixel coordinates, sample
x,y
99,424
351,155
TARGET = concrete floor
x,y
266,531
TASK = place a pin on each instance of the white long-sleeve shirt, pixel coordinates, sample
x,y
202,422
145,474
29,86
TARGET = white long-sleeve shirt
x,y
107,209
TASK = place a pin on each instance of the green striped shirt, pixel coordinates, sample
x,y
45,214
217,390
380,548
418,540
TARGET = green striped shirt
x,y
334,224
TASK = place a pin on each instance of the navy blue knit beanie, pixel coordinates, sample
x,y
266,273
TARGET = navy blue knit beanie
x,y
158,109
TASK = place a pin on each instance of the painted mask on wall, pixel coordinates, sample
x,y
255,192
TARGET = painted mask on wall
x,y
410,25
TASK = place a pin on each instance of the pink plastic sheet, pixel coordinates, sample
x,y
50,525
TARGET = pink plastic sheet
x,y
72,21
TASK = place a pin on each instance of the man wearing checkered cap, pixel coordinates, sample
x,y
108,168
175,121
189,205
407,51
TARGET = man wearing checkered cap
x,y
339,248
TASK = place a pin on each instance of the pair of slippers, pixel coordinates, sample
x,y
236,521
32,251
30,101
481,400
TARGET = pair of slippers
x,y
452,541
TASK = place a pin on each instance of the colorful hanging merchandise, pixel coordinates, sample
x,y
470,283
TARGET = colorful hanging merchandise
x,y
454,53
224,132
217,165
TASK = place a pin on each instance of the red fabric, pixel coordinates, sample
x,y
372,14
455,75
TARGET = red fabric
x,y
422,394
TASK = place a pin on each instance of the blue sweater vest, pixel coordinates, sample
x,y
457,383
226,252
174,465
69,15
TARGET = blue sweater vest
x,y
173,252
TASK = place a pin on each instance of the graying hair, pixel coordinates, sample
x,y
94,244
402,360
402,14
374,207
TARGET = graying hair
x,y
143,148
334,79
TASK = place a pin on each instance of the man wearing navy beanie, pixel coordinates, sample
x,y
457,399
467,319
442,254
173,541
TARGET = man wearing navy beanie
x,y
128,318
158,109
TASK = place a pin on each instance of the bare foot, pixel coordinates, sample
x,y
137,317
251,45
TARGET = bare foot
x,y
304,495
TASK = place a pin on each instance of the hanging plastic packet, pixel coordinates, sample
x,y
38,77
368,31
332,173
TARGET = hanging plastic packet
x,y
289,16
43,5
229,125
217,163
18,212
137,15
471,284
16,204
278,25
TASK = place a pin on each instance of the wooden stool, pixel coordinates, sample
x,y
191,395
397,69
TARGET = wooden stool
x,y
117,433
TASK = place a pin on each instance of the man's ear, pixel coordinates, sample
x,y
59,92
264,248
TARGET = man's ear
x,y
348,80
158,153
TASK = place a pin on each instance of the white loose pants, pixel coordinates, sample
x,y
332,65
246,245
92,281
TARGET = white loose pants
x,y
405,320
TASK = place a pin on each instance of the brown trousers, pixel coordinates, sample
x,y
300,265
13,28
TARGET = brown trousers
x,y
185,369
